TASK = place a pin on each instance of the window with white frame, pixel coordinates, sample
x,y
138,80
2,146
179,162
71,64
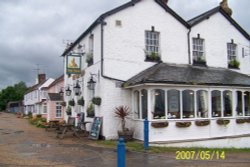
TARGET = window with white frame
x,y
227,103
188,104
198,50
202,104
152,41
136,104
216,103
231,51
58,110
44,108
247,103
239,103
158,106
144,103
173,104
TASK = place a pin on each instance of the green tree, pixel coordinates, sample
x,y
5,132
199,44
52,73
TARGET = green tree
x,y
12,93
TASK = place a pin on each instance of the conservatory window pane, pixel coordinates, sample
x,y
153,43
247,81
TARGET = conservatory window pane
x,y
144,103
202,104
137,102
188,103
227,100
239,107
173,104
216,103
158,104
247,103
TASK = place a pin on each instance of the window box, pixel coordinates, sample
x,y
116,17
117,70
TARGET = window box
x,y
234,64
183,124
240,121
153,57
248,120
202,122
199,63
223,121
159,124
97,101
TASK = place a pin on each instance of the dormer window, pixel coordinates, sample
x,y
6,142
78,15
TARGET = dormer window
x,y
232,56
152,48
198,51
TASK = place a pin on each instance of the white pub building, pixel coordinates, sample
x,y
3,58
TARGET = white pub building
x,y
190,79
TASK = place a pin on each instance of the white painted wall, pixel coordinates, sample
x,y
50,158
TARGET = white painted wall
x,y
124,46
217,32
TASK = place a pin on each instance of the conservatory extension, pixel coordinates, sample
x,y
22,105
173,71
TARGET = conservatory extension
x,y
189,96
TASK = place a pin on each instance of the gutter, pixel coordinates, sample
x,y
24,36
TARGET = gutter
x,y
103,23
189,52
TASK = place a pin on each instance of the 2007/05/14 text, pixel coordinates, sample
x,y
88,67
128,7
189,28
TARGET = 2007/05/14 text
x,y
200,155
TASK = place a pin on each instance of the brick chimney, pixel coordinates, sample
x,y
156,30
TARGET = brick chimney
x,y
225,7
165,1
41,78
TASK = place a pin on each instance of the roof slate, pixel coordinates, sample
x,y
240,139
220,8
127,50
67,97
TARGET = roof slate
x,y
189,75
55,97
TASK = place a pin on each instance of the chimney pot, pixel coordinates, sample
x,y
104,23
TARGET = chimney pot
x,y
165,1
41,78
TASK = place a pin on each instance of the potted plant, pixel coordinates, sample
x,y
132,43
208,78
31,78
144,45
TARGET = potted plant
x,y
240,120
161,124
183,124
234,64
91,110
223,121
81,101
63,103
202,122
68,110
72,102
200,61
153,56
96,100
122,112
89,59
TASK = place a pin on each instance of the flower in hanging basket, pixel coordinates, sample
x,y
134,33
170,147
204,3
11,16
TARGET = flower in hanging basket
x,y
159,124
63,103
68,110
72,102
183,124
240,121
202,122
91,110
223,121
81,101
96,100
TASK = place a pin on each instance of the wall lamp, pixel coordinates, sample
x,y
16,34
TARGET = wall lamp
x,y
91,83
77,88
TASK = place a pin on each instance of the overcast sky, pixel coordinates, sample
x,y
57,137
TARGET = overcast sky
x,y
35,31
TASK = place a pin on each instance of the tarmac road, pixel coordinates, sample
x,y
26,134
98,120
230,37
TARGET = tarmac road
x,y
24,145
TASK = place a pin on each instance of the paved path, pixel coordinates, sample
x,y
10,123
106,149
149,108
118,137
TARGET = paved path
x,y
24,145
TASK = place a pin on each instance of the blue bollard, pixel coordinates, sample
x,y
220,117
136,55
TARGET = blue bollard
x,y
121,156
146,134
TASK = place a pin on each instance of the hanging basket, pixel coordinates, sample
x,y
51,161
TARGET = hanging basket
x,y
72,102
240,121
97,101
81,101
